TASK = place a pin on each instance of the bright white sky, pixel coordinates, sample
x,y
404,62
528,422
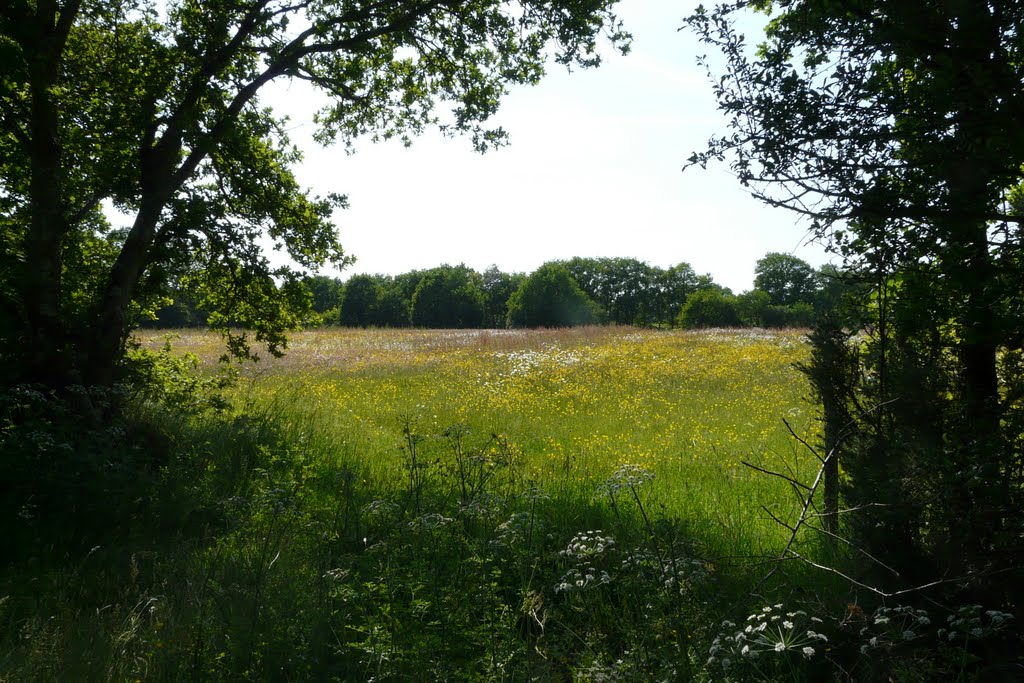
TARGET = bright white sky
x,y
593,169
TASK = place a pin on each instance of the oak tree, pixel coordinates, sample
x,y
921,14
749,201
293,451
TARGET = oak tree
x,y
154,108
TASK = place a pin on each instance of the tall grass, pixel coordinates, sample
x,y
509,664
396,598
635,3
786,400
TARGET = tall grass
x,y
436,506
578,403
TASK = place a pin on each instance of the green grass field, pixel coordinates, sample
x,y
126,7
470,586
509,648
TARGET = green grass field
x,y
420,505
575,404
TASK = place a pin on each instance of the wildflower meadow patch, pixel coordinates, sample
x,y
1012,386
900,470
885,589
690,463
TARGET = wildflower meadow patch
x,y
472,506
578,404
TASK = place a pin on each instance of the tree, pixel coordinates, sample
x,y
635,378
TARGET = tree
x,y
892,127
175,136
325,291
550,297
709,308
625,288
449,297
786,279
394,306
755,309
673,286
359,298
498,288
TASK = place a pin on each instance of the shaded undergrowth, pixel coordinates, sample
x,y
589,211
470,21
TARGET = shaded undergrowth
x,y
257,548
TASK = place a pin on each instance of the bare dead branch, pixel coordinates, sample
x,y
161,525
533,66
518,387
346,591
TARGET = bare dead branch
x,y
785,477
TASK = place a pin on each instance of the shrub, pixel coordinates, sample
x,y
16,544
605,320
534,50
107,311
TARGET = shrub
x,y
709,308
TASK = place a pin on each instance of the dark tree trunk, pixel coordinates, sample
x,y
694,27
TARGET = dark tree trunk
x,y
832,372
111,325
970,276
45,344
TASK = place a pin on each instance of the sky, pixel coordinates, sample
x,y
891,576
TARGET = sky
x,y
593,169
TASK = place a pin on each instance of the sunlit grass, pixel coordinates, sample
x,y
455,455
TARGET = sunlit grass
x,y
689,406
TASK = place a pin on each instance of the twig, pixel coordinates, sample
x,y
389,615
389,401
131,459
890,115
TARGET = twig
x,y
803,515
777,520
788,478
800,439
856,508
879,591
852,545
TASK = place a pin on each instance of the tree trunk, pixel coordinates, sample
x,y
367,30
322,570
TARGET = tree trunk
x,y
111,322
971,274
47,361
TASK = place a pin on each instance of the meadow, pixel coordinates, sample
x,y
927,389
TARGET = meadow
x,y
576,404
441,505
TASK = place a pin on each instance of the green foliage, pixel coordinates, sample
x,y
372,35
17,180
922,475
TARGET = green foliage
x,y
175,381
310,569
359,301
449,297
75,467
634,292
631,292
176,138
378,300
755,309
550,297
709,308
674,285
786,279
177,311
326,292
267,545
893,642
873,125
498,288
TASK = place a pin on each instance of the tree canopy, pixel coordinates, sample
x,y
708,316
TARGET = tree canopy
x,y
893,127
786,279
156,111
709,308
551,297
449,297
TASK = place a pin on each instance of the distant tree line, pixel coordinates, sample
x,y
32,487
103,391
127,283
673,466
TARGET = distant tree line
x,y
579,291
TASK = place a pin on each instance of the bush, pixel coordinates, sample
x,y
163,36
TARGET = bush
x,y
709,308
756,310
